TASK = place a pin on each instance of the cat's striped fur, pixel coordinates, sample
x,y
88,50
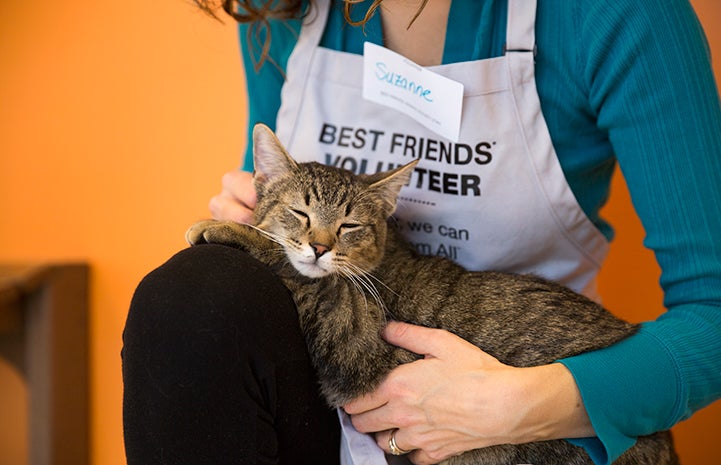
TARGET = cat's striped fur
x,y
326,233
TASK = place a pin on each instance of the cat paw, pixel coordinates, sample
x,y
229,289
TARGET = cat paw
x,y
194,234
212,232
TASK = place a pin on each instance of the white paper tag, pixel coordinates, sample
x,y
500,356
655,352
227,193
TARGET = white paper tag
x,y
392,80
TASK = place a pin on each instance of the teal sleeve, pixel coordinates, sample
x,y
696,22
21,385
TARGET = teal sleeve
x,y
650,83
629,79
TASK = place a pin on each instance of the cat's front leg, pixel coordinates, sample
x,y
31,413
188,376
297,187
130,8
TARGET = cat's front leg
x,y
218,232
241,236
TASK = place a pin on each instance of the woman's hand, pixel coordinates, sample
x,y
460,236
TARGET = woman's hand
x,y
460,398
237,199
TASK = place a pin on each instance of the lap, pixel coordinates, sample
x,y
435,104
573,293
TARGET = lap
x,y
212,348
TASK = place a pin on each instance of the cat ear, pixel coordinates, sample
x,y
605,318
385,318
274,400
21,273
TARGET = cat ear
x,y
270,158
388,184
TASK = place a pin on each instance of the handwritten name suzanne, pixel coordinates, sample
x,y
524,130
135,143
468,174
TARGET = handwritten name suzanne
x,y
398,80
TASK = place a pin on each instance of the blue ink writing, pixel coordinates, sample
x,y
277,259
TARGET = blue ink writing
x,y
398,80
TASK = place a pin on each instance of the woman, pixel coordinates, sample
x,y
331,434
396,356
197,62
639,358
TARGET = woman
x,y
553,96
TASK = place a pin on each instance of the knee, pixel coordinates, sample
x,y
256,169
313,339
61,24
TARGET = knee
x,y
206,279
208,287
205,306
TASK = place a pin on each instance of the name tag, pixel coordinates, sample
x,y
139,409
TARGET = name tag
x,y
394,81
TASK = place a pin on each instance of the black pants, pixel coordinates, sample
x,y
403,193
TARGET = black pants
x,y
215,368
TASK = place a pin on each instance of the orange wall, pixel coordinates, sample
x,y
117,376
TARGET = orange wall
x,y
117,120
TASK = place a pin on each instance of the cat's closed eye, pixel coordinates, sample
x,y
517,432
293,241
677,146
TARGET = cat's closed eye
x,y
301,215
348,227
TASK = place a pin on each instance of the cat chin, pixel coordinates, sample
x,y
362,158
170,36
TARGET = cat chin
x,y
310,270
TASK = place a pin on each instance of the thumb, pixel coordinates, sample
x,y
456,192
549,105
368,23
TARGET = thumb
x,y
421,340
434,343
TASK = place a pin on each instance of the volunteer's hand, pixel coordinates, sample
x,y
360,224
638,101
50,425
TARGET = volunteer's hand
x,y
460,398
237,199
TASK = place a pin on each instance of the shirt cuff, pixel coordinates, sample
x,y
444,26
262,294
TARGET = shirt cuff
x,y
629,389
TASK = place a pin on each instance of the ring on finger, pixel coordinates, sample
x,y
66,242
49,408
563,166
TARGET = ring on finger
x,y
395,450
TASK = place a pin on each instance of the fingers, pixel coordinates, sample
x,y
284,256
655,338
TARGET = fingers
x,y
366,403
391,442
403,447
432,402
429,342
403,382
225,208
372,412
400,334
237,199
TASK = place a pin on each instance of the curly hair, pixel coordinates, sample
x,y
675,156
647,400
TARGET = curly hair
x,y
257,14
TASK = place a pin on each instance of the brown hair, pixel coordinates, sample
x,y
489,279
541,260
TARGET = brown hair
x,y
250,11
258,13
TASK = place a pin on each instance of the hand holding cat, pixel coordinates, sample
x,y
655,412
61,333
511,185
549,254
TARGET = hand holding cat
x,y
236,200
460,398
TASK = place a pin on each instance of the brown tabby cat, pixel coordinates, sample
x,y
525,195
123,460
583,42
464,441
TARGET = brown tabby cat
x,y
324,231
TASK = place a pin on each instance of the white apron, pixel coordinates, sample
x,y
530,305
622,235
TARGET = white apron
x,y
497,199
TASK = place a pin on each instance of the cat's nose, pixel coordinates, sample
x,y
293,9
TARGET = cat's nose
x,y
319,249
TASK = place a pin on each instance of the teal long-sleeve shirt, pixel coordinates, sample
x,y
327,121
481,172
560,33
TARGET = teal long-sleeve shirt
x,y
626,81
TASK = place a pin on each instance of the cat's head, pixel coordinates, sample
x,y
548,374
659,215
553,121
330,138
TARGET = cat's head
x,y
328,220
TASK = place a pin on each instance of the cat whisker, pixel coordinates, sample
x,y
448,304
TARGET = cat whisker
x,y
368,274
361,273
272,236
284,241
368,287
271,252
358,277
354,281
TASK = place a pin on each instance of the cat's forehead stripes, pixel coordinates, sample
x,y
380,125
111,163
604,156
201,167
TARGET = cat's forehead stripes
x,y
328,187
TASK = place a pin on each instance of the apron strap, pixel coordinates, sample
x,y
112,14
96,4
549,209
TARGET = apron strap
x,y
298,66
315,23
521,27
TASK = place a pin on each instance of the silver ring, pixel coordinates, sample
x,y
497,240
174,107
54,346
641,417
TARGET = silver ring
x,y
395,450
